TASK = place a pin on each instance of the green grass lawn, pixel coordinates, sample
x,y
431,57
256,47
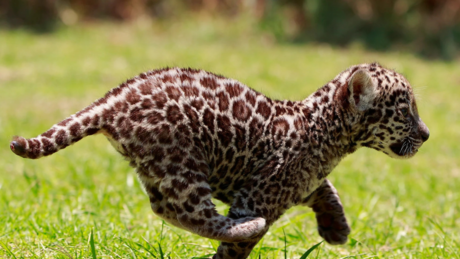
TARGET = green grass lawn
x,y
85,201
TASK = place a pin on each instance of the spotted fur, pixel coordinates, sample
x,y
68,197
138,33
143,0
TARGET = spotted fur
x,y
193,135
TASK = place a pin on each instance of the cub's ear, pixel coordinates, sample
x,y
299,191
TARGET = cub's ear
x,y
361,90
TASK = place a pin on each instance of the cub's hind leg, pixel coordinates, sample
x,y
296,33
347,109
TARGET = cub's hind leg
x,y
239,250
161,207
183,198
249,203
330,216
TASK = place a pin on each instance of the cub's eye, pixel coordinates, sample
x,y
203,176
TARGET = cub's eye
x,y
404,111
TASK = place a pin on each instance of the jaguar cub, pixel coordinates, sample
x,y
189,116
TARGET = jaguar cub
x,y
193,136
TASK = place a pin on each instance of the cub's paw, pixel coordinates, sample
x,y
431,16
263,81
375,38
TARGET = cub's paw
x,y
333,227
249,228
332,223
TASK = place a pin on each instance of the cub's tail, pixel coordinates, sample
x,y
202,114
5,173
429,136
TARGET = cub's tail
x,y
100,116
61,135
88,121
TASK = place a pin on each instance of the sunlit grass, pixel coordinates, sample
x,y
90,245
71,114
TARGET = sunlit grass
x,y
85,202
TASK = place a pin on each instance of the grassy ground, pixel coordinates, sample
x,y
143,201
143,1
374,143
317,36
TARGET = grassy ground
x,y
85,202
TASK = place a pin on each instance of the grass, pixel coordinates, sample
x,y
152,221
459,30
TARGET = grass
x,y
84,202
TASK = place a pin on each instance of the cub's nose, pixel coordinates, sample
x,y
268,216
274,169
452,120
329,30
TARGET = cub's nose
x,y
424,131
425,135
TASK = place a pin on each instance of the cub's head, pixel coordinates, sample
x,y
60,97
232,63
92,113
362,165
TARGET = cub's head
x,y
387,119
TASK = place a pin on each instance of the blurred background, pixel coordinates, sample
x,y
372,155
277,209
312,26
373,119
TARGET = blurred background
x,y
58,56
430,28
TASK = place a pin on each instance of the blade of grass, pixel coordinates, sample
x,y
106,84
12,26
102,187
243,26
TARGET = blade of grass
x,y
60,249
91,243
285,245
308,252
146,249
162,256
7,249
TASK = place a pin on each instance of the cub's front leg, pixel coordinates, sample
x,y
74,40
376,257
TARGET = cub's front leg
x,y
332,223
